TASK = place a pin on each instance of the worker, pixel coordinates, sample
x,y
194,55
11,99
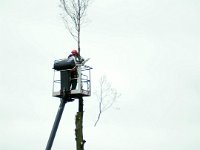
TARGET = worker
x,y
75,58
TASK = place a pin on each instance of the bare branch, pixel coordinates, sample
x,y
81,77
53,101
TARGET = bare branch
x,y
73,16
106,96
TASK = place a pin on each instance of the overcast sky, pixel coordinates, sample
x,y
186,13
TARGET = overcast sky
x,y
148,49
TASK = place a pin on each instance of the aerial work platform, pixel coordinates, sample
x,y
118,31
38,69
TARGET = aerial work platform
x,y
62,81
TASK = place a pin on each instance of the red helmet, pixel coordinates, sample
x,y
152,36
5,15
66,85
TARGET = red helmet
x,y
74,52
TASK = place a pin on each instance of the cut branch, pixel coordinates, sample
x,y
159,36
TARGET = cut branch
x,y
106,96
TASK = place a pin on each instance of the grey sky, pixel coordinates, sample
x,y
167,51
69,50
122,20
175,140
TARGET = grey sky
x,y
148,49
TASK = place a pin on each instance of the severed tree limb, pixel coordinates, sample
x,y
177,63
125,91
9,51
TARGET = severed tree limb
x,y
106,96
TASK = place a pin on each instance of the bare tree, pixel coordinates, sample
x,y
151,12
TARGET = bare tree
x,y
106,96
74,16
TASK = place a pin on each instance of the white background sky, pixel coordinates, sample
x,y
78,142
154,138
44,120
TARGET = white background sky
x,y
149,51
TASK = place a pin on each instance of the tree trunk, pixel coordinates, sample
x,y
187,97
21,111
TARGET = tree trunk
x,y
79,127
79,27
